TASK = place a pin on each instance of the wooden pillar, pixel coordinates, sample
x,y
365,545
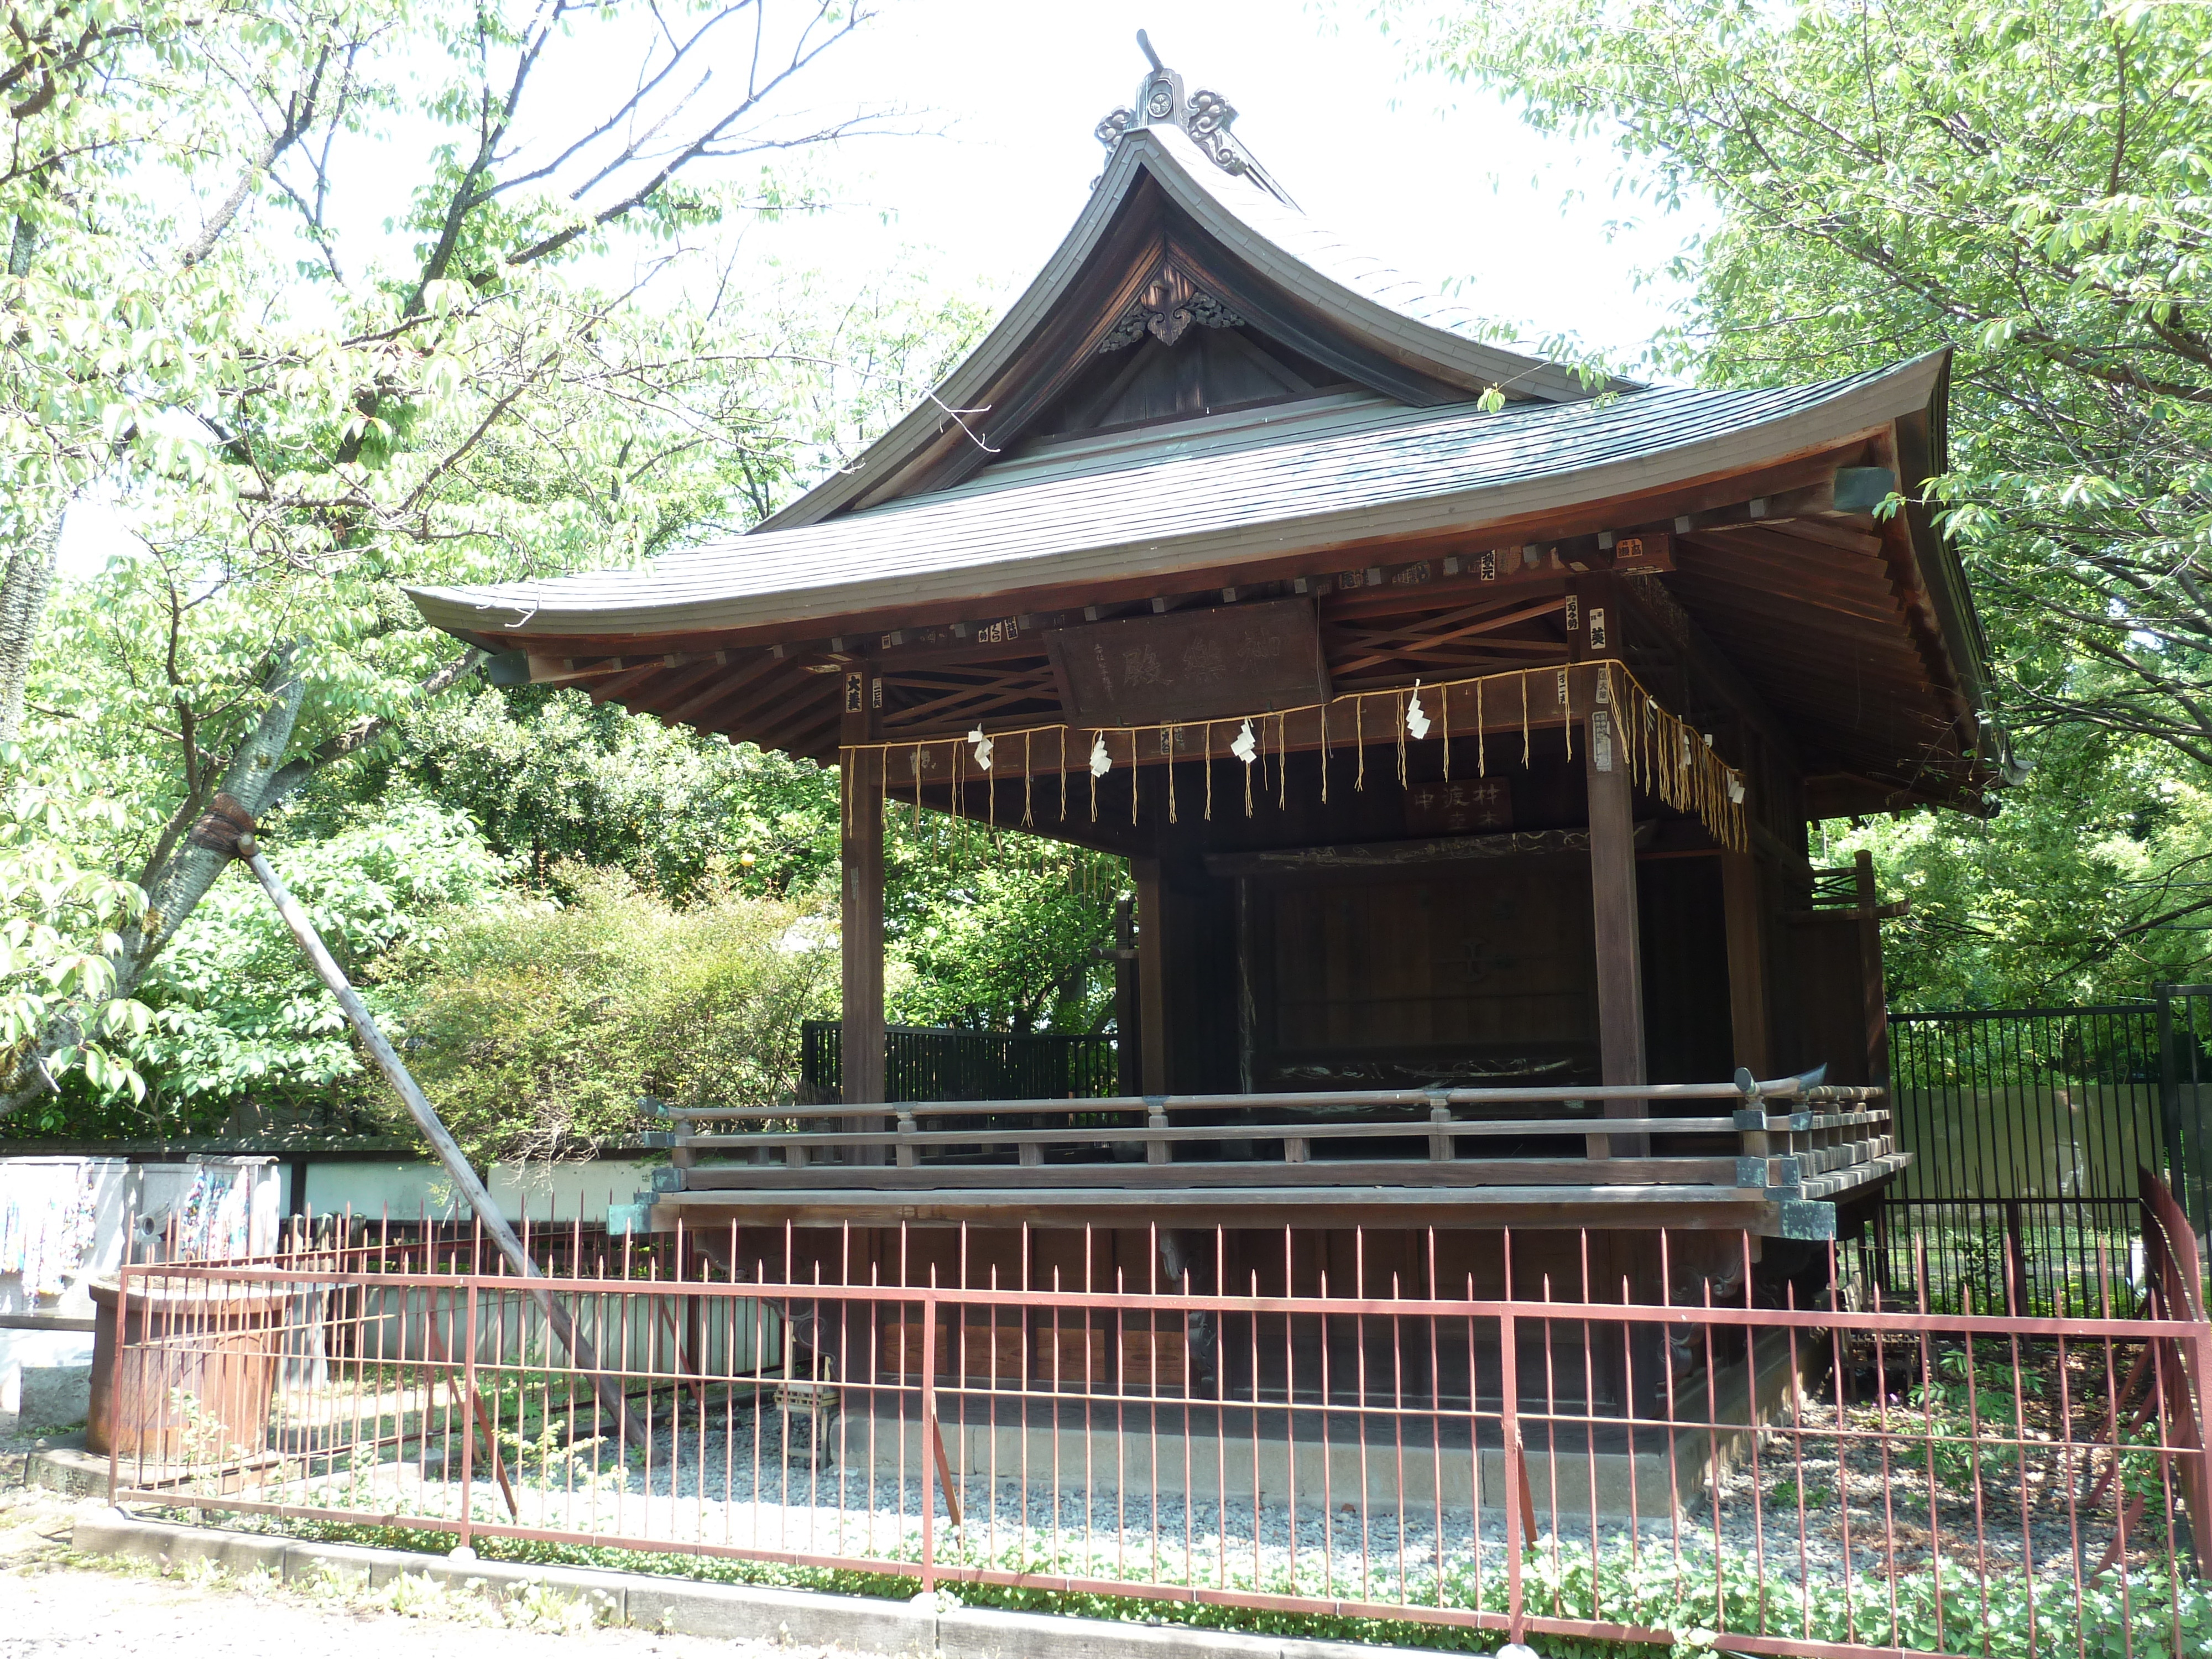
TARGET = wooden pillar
x,y
1128,1025
862,860
1613,909
1747,959
1874,990
1151,976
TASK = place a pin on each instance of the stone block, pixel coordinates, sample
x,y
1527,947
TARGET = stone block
x,y
990,1633
236,1552
750,1612
54,1396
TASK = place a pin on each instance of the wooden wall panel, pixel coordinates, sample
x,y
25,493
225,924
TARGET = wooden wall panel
x,y
1687,1029
1474,972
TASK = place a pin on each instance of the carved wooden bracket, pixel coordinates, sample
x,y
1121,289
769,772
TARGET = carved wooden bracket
x,y
1170,303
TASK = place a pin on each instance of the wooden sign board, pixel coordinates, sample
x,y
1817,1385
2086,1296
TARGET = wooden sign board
x,y
1652,550
1464,806
1190,665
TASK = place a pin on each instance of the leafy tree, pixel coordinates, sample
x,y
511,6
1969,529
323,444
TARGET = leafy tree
x,y
996,931
302,416
1000,932
2095,881
62,925
2023,180
241,1015
567,787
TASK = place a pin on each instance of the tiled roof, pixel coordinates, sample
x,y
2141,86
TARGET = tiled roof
x,y
1201,494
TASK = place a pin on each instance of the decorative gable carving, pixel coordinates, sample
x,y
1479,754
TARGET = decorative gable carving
x,y
1170,303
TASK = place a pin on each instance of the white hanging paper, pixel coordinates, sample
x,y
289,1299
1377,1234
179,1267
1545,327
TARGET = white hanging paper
x,y
1417,719
1246,748
982,748
1101,762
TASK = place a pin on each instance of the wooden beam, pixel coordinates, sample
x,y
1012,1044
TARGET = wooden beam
x,y
860,779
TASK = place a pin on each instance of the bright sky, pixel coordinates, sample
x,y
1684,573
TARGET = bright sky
x,y
1323,100
1440,181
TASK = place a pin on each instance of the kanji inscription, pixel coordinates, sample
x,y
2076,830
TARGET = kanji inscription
x,y
1464,806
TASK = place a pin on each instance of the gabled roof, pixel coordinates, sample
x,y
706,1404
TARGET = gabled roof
x,y
1200,494
1385,454
1292,276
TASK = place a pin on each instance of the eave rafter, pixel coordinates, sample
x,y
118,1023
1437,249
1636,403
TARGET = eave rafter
x,y
1359,652
939,697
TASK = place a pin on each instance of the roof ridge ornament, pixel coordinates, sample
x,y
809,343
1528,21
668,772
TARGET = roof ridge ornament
x,y
1204,117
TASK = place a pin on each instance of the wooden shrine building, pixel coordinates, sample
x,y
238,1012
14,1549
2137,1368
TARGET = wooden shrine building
x,y
1461,722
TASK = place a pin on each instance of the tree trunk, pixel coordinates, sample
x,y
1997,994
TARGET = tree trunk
x,y
22,606
181,879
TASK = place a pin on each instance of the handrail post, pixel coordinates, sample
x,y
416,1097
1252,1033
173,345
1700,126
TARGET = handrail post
x,y
1752,1168
1155,1117
1441,1149
906,1155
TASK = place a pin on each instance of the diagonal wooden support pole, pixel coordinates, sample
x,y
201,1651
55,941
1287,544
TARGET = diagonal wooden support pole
x,y
229,827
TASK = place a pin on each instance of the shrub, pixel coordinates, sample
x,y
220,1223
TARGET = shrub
x,y
538,1027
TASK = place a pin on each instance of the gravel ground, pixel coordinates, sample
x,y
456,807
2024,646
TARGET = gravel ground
x,y
54,1604
726,1490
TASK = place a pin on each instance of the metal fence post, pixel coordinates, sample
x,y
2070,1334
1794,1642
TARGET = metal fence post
x,y
2200,1387
1509,1429
468,1415
116,1391
928,1443
2169,1099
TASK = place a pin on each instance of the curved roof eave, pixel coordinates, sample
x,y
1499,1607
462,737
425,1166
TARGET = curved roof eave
x,y
1256,227
881,559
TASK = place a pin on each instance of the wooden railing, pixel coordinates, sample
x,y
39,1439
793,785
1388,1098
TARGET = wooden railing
x,y
1791,1139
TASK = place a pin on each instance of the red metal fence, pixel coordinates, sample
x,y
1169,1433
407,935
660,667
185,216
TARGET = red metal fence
x,y
1790,1479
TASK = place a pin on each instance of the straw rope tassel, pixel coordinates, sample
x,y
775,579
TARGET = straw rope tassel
x,y
1665,756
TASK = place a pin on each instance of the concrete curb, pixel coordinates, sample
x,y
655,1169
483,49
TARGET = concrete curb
x,y
857,1624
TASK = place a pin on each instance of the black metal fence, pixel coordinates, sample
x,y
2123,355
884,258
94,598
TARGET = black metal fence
x,y
2028,1125
933,1063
